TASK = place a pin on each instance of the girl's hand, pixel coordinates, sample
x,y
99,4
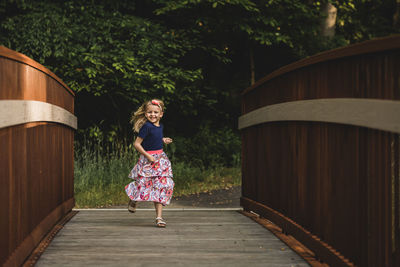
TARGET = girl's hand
x,y
167,140
151,159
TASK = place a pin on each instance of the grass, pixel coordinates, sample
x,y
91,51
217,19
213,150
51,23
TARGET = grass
x,y
101,175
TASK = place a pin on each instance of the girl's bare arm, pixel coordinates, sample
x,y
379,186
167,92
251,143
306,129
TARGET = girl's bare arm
x,y
138,146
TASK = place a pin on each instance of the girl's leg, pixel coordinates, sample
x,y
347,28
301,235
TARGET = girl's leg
x,y
159,220
158,207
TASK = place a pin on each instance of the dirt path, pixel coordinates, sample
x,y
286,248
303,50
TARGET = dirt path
x,y
224,198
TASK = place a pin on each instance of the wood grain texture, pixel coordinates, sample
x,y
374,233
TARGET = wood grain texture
x,y
34,182
36,158
35,237
45,242
21,58
368,47
191,238
339,182
369,76
283,235
19,81
325,252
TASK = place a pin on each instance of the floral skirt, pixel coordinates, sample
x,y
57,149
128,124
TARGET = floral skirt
x,y
151,181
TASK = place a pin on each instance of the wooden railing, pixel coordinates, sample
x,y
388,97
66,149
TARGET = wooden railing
x,y
321,152
36,154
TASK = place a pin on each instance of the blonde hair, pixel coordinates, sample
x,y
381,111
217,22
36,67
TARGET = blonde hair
x,y
139,117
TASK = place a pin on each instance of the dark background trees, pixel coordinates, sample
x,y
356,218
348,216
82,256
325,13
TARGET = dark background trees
x,y
196,55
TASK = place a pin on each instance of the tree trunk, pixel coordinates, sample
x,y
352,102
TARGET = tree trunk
x,y
252,67
396,16
328,23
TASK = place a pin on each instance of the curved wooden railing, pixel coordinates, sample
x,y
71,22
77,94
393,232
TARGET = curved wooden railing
x,y
36,154
321,152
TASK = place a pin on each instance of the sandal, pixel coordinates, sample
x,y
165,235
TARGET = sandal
x,y
132,206
160,222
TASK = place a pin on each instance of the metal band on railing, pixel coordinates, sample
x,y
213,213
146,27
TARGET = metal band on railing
x,y
372,113
14,112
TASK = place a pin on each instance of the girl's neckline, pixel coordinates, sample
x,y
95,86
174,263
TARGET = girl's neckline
x,y
159,125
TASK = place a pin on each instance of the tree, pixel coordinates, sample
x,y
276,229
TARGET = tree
x,y
329,21
198,55
360,20
396,16
113,61
293,24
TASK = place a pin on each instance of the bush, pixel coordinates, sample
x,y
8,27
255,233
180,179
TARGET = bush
x,y
102,168
208,148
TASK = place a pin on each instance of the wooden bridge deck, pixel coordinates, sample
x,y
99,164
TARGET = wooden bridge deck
x,y
192,238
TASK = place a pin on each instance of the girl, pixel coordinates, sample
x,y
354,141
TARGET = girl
x,y
152,174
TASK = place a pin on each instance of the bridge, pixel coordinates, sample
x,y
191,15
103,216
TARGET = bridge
x,y
320,167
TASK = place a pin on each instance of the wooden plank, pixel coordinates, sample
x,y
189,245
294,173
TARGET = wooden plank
x,y
25,60
21,81
191,238
36,161
321,249
372,46
332,179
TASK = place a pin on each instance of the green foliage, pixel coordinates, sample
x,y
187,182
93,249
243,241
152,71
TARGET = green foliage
x,y
207,148
360,20
101,51
294,24
192,180
102,168
193,54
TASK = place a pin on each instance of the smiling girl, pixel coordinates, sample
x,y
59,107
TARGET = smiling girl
x,y
152,174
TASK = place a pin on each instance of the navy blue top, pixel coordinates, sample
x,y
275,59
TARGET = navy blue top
x,y
152,136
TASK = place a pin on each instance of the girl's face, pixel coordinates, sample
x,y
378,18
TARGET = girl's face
x,y
154,114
